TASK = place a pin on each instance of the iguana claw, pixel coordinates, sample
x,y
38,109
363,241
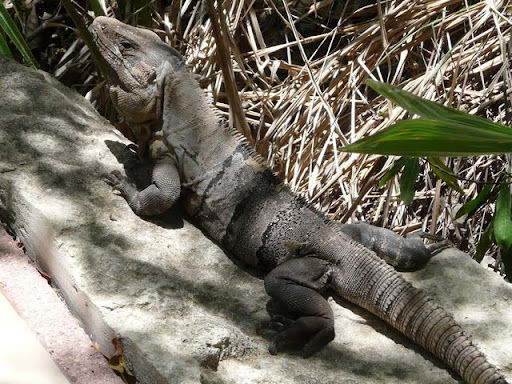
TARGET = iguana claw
x,y
114,178
120,183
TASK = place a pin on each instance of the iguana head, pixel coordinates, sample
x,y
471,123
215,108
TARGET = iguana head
x,y
133,56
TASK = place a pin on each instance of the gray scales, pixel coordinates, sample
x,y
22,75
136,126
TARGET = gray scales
x,y
242,205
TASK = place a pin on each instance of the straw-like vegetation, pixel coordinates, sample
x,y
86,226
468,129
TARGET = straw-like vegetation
x,y
289,74
299,66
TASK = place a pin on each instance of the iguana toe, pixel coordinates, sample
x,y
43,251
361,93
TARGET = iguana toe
x,y
435,248
114,178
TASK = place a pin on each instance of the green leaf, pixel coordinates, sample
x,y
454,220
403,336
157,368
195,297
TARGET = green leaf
x,y
431,110
506,258
472,205
445,174
441,131
502,221
85,35
485,242
412,103
7,24
4,48
408,180
434,138
399,164
97,7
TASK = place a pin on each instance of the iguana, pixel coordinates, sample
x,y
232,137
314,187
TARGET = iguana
x,y
229,192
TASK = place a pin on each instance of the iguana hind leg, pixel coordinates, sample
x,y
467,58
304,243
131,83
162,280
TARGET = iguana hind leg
x,y
404,253
297,303
158,197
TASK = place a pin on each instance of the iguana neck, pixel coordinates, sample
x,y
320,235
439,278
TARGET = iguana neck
x,y
197,134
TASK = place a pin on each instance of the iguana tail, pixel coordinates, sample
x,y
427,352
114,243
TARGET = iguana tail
x,y
386,294
333,261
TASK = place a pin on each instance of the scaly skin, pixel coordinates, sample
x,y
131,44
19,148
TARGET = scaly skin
x,y
231,194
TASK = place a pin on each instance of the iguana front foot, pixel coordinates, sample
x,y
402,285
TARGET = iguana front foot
x,y
121,184
306,316
158,197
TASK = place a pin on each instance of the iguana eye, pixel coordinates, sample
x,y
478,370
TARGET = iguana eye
x,y
126,44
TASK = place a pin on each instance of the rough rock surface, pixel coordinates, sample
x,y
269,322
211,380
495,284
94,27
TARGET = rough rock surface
x,y
182,310
48,321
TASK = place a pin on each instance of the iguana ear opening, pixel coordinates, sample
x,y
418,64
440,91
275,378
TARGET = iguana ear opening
x,y
152,77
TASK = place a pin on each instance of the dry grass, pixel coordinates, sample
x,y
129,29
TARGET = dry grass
x,y
289,75
298,68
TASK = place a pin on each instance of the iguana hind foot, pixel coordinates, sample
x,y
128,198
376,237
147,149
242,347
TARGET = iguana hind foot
x,y
407,253
440,242
307,318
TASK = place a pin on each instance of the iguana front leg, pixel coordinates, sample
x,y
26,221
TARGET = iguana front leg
x,y
403,253
158,197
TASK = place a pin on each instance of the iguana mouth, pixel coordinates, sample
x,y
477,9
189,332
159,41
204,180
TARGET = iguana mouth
x,y
111,58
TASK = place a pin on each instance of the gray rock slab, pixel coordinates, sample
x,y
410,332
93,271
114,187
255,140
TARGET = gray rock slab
x,y
183,312
48,319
